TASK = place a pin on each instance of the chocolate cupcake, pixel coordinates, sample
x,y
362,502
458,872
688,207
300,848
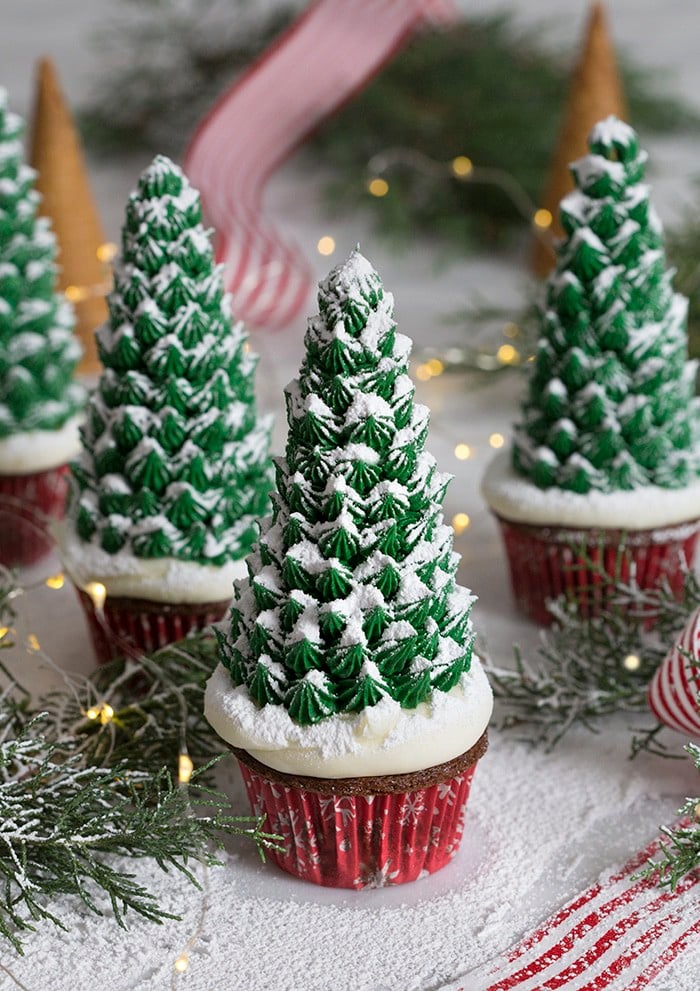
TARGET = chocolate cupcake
x,y
174,469
603,479
40,404
348,686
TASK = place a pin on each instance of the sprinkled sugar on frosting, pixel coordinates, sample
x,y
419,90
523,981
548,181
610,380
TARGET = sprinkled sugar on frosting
x,y
611,400
175,458
351,603
39,402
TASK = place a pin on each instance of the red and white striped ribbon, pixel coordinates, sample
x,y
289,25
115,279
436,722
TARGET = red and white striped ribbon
x,y
674,692
318,63
619,934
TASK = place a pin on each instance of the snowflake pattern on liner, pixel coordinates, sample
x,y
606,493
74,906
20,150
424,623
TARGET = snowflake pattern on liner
x,y
38,350
351,594
611,399
175,458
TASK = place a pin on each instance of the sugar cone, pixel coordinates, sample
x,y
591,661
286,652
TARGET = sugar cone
x,y
595,92
56,154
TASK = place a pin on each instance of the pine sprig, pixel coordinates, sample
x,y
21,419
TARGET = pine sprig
x,y
157,704
589,668
681,854
75,792
60,819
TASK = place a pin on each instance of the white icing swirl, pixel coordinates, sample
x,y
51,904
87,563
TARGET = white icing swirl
x,y
381,739
165,579
31,451
516,498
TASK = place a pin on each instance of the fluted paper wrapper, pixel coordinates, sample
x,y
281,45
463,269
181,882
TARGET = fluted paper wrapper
x,y
546,563
140,626
26,504
361,841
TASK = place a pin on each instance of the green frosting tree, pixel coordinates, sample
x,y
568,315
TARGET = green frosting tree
x,y
351,594
610,403
175,459
38,351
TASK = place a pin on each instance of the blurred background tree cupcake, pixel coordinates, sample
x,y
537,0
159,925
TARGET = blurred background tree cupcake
x,y
348,688
174,468
604,471
40,404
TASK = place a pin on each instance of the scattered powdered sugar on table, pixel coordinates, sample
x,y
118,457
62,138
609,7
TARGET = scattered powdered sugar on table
x,y
539,828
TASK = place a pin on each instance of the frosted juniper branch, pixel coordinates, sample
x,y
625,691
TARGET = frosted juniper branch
x,y
682,852
58,820
580,674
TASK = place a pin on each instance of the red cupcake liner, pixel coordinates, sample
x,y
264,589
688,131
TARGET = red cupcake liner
x,y
130,627
361,841
547,562
28,501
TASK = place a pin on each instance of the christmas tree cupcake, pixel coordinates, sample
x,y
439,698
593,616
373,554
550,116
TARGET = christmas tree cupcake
x,y
174,468
348,689
605,464
39,402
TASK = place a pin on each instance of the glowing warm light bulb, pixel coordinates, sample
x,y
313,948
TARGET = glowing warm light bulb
x,y
55,581
462,452
460,522
106,251
33,643
507,354
497,440
435,366
97,592
326,245
182,963
4,630
632,662
185,767
378,187
462,166
106,713
75,294
423,373
92,712
542,218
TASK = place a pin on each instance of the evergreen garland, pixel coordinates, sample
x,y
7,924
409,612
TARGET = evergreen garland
x,y
352,595
610,403
38,351
175,457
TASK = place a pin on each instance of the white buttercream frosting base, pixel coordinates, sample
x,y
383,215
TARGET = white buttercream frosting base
x,y
163,579
30,451
516,498
381,739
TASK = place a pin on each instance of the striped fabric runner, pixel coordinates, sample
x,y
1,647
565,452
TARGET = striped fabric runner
x,y
317,64
618,934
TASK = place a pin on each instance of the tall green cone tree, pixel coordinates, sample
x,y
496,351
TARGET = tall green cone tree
x,y
610,403
175,458
351,594
38,352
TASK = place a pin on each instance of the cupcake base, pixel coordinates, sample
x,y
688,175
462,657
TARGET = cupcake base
x,y
364,832
547,562
29,500
129,626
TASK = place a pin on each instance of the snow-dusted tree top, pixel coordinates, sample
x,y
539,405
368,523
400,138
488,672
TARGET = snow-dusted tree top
x,y
352,594
175,458
611,399
38,351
